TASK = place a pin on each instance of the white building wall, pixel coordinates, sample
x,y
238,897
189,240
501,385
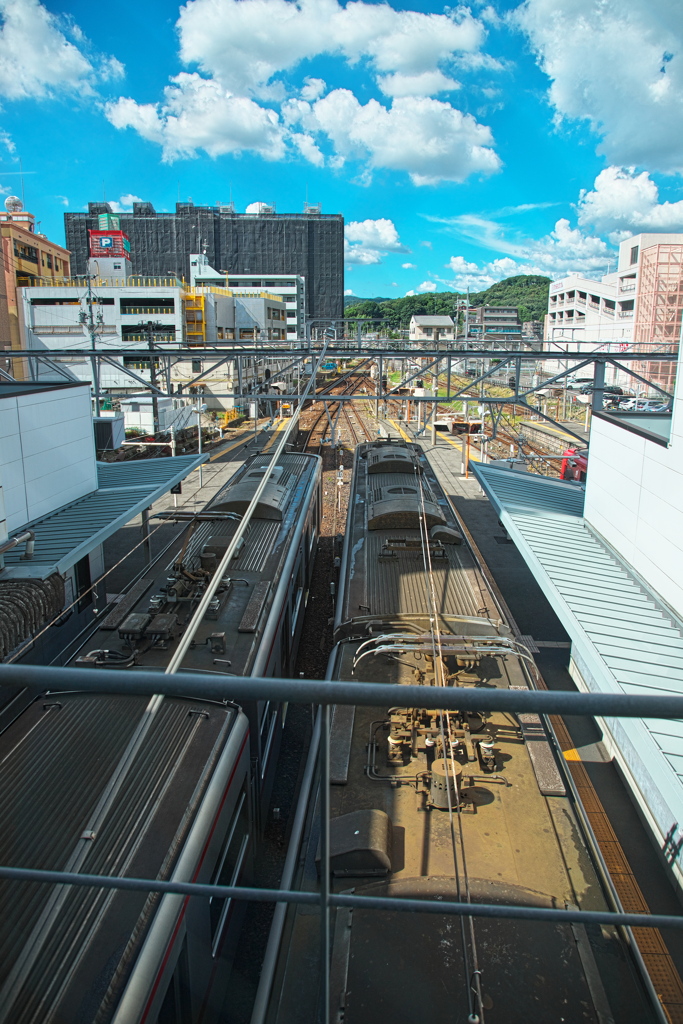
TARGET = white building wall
x,y
634,499
47,452
292,289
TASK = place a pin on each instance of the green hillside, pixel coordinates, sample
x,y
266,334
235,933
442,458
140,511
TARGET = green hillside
x,y
528,292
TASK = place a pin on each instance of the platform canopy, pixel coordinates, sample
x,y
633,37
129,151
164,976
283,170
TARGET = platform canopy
x,y
624,637
124,490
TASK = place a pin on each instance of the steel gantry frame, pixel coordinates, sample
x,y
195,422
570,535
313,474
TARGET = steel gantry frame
x,y
433,358
325,694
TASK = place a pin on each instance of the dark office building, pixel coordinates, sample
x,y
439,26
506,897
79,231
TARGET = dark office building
x,y
310,244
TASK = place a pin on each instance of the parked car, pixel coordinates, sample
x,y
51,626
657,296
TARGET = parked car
x,y
644,405
577,383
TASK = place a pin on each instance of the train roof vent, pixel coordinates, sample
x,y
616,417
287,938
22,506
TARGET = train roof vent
x,y
399,509
360,844
389,459
235,497
271,505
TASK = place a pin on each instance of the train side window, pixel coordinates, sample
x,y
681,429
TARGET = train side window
x,y
268,723
228,870
298,592
177,1005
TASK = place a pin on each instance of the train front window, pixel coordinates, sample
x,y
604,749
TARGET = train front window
x,y
228,870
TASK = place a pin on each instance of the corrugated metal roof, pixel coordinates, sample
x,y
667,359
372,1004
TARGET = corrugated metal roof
x,y
624,638
432,321
512,489
72,532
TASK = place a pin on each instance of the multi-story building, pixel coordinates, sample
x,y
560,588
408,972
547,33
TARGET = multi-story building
x,y
290,287
263,245
28,258
59,317
638,304
494,324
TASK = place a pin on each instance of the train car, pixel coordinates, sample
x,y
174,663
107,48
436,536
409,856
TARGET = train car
x,y
254,622
117,785
163,788
574,464
441,805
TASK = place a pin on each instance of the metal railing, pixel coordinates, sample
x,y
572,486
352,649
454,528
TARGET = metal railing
x,y
326,693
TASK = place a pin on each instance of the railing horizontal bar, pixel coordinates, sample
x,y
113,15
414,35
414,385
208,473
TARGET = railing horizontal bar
x,y
385,903
321,691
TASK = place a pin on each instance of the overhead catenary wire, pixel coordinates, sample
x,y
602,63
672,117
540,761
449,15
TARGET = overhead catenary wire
x,y
188,636
475,1006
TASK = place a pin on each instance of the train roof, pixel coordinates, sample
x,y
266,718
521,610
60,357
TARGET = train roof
x,y
230,629
394,490
104,785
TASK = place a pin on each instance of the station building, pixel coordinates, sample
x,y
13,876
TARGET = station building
x,y
58,506
608,555
57,318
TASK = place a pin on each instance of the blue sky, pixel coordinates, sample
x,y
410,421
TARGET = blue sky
x,y
462,144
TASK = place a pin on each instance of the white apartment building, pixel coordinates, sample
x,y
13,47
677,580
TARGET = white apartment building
x,y
291,288
59,317
640,303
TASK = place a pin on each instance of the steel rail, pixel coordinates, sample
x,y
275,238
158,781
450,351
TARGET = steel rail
x,y
321,691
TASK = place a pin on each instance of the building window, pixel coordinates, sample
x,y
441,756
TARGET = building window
x,y
196,366
634,254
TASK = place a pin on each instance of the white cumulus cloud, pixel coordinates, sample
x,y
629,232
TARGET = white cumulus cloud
x,y
376,234
246,43
623,202
556,254
198,113
427,83
426,286
238,95
428,138
366,241
38,61
124,204
618,66
409,266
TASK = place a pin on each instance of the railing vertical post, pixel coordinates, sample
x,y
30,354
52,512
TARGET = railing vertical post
x,y
325,863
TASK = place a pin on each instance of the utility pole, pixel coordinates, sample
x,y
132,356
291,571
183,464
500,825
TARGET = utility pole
x,y
91,324
151,327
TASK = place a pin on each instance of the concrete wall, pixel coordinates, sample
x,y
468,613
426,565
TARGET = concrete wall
x,y
47,451
633,499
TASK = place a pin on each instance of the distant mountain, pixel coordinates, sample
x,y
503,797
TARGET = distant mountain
x,y
529,292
